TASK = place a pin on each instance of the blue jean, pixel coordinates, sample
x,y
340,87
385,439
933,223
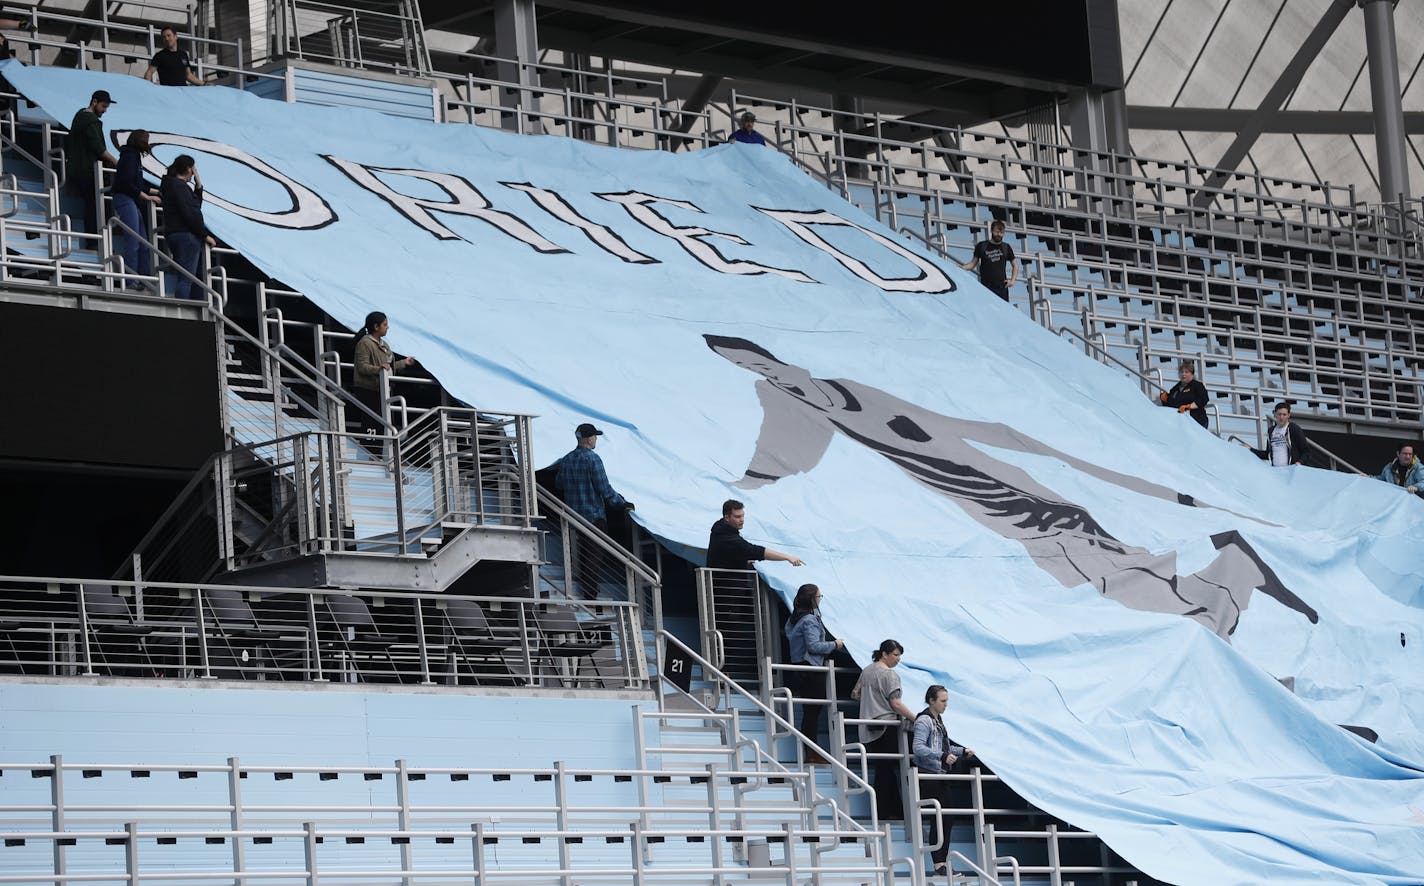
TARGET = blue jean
x,y
186,250
135,249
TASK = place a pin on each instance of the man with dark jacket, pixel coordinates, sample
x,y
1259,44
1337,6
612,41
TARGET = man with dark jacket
x,y
183,225
726,549
83,147
1187,395
1285,441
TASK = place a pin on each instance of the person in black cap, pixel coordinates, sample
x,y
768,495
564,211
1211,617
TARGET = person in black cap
x,y
83,147
583,485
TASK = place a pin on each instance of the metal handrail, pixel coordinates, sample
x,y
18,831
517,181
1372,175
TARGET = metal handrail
x,y
635,569
312,512
1334,459
1102,351
164,617
842,771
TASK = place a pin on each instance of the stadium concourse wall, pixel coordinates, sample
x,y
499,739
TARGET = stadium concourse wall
x,y
336,725
1117,600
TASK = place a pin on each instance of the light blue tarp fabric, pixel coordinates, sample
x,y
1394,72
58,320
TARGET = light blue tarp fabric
x,y
1170,736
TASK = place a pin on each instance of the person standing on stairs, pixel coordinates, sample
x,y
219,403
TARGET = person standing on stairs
x,y
991,257
933,753
583,485
879,694
372,357
130,191
183,227
809,646
83,147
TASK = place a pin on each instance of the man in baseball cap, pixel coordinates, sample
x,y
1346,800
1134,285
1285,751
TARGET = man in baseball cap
x,y
583,485
83,147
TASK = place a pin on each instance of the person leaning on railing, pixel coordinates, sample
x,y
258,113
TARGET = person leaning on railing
x,y
183,225
129,190
83,147
1405,471
809,646
933,753
1285,441
1187,395
879,693
371,357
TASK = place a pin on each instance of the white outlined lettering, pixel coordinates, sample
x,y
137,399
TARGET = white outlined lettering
x,y
930,280
638,205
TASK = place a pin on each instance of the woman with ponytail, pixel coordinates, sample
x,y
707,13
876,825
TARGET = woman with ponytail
x,y
372,357
879,689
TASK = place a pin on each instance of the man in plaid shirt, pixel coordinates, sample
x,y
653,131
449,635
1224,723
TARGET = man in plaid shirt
x,y
583,485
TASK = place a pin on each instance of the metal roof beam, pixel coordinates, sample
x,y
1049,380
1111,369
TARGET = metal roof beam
x,y
1275,97
1237,119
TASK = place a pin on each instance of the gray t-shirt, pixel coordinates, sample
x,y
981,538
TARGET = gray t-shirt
x,y
878,685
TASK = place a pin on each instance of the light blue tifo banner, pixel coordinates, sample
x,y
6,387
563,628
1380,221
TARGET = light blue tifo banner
x,y
1112,595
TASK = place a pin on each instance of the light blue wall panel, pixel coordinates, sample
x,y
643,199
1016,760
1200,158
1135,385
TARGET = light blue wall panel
x,y
352,91
332,726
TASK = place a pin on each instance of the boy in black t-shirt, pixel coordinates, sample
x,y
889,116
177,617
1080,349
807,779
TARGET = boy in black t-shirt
x,y
172,64
990,257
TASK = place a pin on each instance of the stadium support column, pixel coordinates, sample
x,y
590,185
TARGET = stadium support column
x,y
517,39
1385,98
1088,132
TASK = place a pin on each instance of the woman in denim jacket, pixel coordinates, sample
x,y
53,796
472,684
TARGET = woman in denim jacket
x,y
932,753
809,646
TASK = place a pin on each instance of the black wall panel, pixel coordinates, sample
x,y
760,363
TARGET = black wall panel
x,y
107,389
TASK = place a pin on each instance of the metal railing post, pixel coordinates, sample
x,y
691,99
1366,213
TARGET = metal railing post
x,y
477,849
234,800
309,844
84,632
56,822
640,753
561,820
403,818
421,643
714,823
131,852
202,634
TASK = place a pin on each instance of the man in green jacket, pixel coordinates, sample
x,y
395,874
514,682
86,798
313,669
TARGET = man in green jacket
x,y
82,148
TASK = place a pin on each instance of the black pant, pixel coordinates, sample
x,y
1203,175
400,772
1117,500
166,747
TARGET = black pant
x,y
588,562
811,687
937,790
83,188
369,398
885,775
1002,290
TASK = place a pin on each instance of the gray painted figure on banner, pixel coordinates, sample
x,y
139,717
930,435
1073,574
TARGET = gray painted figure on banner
x,y
801,415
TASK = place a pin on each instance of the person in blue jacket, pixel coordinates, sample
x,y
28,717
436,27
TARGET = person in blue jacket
x,y
130,192
934,753
809,646
1405,470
